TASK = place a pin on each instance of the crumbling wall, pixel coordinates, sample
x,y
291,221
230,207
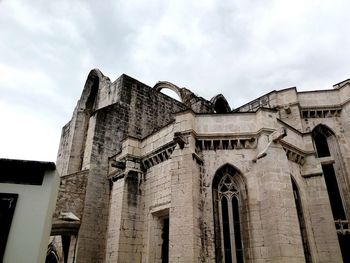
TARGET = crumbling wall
x,y
138,112
71,194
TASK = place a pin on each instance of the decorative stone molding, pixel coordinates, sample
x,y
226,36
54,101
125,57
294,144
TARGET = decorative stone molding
x,y
225,143
118,164
180,139
293,154
274,137
124,166
342,227
329,112
158,156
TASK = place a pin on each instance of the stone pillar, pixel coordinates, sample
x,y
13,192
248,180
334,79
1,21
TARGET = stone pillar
x,y
114,220
184,232
278,238
324,231
125,225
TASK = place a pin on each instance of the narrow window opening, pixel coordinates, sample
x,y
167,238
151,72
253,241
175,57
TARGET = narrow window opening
x,y
65,247
333,192
344,242
321,145
165,242
237,228
302,225
226,228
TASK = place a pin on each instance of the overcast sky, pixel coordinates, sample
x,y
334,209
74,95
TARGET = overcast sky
x,y
242,49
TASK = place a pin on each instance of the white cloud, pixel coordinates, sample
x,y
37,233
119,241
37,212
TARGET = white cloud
x,y
26,136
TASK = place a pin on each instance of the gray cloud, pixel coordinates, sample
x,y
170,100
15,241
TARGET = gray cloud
x,y
242,49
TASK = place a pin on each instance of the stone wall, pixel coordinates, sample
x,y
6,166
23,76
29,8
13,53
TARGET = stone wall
x,y
138,111
165,156
71,194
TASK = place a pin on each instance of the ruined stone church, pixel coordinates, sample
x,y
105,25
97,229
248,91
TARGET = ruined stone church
x,y
147,178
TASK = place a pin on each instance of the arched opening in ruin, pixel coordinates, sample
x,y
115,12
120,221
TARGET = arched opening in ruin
x,y
171,94
94,82
169,89
228,202
220,104
88,107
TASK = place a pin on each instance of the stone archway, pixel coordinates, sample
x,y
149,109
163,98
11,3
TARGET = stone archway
x,y
168,85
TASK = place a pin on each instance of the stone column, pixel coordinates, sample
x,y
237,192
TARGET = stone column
x,y
184,232
114,220
324,231
279,239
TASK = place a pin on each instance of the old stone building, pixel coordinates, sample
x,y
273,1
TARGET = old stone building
x,y
146,178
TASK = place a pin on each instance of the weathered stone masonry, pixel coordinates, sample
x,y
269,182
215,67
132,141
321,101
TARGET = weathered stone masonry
x,y
152,179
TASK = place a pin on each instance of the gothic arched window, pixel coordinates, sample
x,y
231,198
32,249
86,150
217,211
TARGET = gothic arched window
x,y
326,145
325,139
228,195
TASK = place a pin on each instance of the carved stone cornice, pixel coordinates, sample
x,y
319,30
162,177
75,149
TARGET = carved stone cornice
x,y
293,154
160,155
226,143
320,112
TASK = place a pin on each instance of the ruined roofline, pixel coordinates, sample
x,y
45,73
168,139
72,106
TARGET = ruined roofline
x,y
226,113
341,84
264,95
97,77
186,97
334,89
185,111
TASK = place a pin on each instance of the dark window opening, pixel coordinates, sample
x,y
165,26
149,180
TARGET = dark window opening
x,y
333,192
320,135
165,244
92,96
226,230
302,225
51,254
221,106
65,247
7,209
344,243
321,145
237,230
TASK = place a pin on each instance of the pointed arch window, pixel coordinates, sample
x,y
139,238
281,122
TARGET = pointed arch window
x,y
326,145
228,195
324,138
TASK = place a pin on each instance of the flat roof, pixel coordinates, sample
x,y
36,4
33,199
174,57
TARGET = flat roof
x,y
24,171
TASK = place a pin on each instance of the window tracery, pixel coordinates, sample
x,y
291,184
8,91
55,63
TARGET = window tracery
x,y
228,190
